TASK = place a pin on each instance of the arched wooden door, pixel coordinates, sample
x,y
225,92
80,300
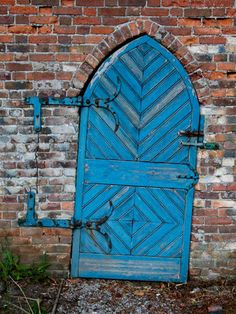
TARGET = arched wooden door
x,y
135,184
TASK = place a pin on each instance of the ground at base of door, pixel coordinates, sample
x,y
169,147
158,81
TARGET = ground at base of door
x,y
97,296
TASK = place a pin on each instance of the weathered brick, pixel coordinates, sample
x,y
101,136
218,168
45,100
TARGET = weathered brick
x,y
213,40
87,20
45,2
90,11
168,21
6,38
114,20
140,3
190,22
18,85
178,3
41,76
43,19
67,11
111,11
6,19
219,22
197,13
155,12
42,39
3,9
219,3
6,2
20,29
153,3
65,29
90,3
65,20
22,19
206,31
19,66
176,12
23,10
101,29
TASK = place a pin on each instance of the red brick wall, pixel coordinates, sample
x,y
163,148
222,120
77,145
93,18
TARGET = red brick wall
x,y
51,47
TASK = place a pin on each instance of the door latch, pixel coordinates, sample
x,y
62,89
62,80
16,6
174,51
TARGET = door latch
x,y
199,135
209,146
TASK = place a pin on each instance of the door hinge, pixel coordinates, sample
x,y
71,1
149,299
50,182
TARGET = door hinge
x,y
78,101
31,220
37,103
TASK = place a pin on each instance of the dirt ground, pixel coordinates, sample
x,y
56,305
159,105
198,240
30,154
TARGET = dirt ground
x,y
95,296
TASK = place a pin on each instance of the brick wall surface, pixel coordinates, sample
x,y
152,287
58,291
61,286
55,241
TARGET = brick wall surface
x,y
51,47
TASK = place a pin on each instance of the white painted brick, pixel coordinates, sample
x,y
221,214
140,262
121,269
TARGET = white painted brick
x,y
227,179
69,172
69,188
228,162
69,68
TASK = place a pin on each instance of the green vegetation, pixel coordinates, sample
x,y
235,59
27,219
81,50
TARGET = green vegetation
x,y
10,265
11,272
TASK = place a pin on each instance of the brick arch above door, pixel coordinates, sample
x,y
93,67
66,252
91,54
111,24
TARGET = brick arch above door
x,y
130,30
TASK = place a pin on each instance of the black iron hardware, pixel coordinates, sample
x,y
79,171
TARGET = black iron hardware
x,y
188,133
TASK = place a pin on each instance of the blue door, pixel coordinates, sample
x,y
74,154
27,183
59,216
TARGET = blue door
x,y
135,181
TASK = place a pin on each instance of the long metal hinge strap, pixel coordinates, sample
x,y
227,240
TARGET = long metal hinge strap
x,y
38,102
31,220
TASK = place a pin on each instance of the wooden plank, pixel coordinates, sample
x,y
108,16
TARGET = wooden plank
x,y
137,174
132,267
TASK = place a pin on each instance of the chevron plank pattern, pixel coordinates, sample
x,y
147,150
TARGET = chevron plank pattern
x,y
153,106
142,222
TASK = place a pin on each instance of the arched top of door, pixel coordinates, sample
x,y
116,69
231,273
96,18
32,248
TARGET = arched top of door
x,y
127,33
148,44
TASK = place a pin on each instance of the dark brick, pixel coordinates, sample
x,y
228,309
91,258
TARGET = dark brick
x,y
203,57
83,30
5,76
45,2
3,10
230,153
90,3
64,40
19,48
231,120
197,13
232,58
136,3
22,19
232,196
6,19
21,39
18,85
65,20
19,67
224,102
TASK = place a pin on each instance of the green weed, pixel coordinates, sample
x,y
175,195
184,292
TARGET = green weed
x,y
10,266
